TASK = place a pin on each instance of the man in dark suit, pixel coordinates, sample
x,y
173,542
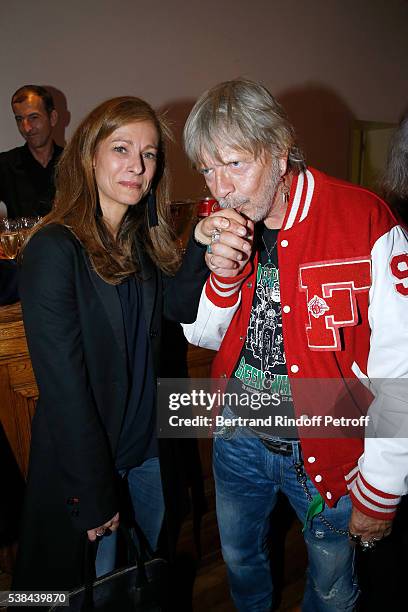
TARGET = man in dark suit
x,y
27,172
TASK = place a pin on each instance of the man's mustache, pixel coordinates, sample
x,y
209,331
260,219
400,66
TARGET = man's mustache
x,y
233,202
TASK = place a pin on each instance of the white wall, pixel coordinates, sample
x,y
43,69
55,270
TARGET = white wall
x,y
328,61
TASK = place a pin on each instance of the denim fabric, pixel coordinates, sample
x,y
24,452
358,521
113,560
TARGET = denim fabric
x,y
146,492
248,478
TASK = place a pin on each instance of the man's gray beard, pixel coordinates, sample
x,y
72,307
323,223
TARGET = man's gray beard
x,y
232,202
261,209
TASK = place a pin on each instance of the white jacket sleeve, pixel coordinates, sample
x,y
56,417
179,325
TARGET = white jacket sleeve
x,y
220,299
383,468
212,322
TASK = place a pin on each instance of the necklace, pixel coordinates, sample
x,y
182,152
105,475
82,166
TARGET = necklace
x,y
270,251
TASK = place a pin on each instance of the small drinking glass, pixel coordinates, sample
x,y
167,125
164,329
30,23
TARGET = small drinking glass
x,y
9,237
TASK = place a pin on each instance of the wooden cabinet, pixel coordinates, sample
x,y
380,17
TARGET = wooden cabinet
x,y
18,394
18,389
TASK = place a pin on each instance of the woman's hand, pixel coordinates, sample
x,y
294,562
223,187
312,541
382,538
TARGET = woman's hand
x,y
228,236
112,525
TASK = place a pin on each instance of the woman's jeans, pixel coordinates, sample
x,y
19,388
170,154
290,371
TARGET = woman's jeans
x,y
145,489
248,477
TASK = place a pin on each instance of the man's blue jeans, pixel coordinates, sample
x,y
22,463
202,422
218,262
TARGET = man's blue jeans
x,y
146,493
248,478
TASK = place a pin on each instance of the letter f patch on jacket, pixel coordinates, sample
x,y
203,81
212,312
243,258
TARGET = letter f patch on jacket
x,y
331,288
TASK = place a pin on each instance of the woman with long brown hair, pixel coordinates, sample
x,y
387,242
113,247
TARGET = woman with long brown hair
x,y
95,281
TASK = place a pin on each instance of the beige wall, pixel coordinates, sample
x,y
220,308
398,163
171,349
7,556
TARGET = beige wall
x,y
328,61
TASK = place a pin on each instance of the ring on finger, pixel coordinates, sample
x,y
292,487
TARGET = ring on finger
x,y
215,235
368,544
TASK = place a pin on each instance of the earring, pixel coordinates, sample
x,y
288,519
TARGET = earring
x,y
285,192
152,209
98,209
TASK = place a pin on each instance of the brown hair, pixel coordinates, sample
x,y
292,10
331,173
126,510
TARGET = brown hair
x,y
76,202
22,94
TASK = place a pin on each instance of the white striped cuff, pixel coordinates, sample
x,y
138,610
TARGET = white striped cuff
x,y
371,498
224,289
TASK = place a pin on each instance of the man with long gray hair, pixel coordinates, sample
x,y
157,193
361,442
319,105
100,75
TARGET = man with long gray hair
x,y
395,179
308,279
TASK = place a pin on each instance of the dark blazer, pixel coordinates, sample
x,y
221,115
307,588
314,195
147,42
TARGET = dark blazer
x,y
75,333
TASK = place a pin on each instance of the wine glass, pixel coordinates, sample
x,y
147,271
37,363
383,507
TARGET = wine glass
x,y
24,225
9,237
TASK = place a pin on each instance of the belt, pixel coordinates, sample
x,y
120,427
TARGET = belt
x,y
277,446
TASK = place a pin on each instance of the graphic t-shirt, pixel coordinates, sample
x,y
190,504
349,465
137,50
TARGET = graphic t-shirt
x,y
261,366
